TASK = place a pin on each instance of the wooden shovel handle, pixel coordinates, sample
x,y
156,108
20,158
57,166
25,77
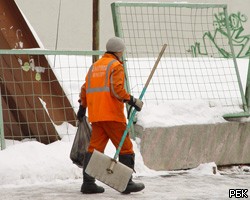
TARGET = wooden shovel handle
x,y
141,95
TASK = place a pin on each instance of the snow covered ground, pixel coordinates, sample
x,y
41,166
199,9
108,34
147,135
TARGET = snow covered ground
x,y
31,170
175,186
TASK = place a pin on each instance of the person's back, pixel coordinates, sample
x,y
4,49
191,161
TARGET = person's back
x,y
105,90
104,95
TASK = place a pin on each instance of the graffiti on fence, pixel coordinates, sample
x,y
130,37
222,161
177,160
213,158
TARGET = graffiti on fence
x,y
211,40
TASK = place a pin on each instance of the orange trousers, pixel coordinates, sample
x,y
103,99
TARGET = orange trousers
x,y
105,130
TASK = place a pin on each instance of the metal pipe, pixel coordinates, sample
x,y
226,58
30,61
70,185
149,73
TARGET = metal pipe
x,y
95,30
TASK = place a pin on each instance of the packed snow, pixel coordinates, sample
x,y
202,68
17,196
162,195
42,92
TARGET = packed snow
x,y
32,170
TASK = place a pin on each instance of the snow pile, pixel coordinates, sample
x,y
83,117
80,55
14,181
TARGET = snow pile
x,y
205,169
180,113
33,162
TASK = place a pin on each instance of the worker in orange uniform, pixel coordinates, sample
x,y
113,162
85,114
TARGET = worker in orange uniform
x,y
104,95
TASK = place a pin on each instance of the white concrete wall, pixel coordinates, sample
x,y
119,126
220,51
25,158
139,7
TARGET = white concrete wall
x,y
75,27
187,146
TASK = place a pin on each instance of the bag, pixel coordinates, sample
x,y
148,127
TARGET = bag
x,y
81,142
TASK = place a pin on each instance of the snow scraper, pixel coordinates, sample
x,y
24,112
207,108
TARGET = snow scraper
x,y
109,170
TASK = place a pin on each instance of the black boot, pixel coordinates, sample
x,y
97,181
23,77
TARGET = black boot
x,y
129,160
89,186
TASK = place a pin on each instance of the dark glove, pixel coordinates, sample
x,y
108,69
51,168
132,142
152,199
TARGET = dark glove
x,y
136,103
81,113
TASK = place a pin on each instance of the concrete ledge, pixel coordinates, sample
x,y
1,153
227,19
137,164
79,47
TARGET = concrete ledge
x,y
187,146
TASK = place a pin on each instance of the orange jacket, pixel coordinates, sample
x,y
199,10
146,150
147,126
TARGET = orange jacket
x,y
103,91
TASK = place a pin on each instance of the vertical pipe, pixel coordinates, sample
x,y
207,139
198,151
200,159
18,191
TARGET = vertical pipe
x,y
95,29
2,141
245,108
247,91
118,33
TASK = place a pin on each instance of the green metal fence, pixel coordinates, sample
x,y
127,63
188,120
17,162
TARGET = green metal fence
x,y
40,88
39,93
199,62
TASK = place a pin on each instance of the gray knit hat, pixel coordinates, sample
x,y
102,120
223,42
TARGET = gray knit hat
x,y
115,44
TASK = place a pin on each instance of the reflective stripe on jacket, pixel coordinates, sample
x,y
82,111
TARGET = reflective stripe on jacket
x,y
103,91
